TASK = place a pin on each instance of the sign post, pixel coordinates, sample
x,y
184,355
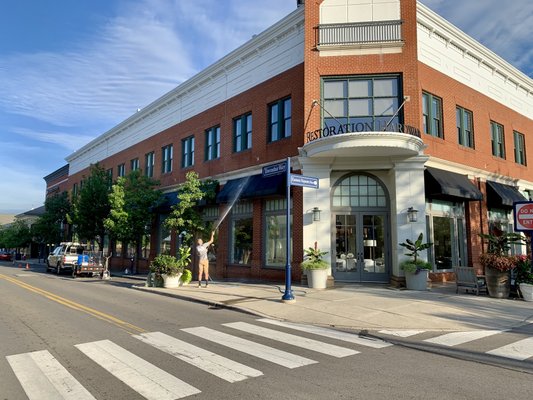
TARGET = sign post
x,y
523,220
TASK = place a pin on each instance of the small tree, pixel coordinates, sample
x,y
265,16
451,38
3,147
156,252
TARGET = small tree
x,y
57,213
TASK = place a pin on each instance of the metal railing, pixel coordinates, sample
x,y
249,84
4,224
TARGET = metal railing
x,y
358,33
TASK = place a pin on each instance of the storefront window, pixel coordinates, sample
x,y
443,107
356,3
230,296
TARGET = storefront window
x,y
276,233
501,221
145,246
164,236
241,233
210,216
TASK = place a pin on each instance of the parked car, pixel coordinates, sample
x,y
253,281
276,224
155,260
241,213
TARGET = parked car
x,y
64,256
5,256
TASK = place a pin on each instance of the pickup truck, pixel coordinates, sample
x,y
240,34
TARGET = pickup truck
x,y
64,256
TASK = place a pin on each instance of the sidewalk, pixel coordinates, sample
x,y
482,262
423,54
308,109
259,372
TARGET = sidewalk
x,y
359,307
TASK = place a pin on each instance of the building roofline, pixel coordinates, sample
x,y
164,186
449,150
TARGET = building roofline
x,y
57,173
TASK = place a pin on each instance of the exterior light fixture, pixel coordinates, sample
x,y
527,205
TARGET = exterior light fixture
x,y
316,214
412,214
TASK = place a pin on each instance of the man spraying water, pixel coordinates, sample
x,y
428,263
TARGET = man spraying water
x,y
203,261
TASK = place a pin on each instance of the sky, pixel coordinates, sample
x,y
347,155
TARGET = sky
x,y
71,70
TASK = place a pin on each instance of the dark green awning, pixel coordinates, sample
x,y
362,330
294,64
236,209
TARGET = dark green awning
x,y
499,194
251,187
444,184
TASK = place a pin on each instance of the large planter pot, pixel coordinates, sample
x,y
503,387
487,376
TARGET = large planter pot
x,y
415,281
498,283
527,291
170,282
317,278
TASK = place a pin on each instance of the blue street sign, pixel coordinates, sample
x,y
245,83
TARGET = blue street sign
x,y
304,181
274,169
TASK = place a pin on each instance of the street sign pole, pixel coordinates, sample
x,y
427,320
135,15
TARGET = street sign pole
x,y
288,297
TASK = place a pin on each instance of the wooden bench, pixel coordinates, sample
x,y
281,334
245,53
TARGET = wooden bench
x,y
466,277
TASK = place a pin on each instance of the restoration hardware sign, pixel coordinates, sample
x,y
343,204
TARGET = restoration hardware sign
x,y
359,127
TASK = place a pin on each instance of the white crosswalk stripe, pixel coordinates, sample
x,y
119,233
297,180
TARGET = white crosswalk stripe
x,y
330,333
521,350
271,354
43,378
223,367
402,333
142,376
299,341
457,338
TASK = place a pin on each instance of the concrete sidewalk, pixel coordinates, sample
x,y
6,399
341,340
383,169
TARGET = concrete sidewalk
x,y
361,307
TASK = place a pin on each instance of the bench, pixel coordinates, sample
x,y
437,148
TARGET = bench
x,y
466,277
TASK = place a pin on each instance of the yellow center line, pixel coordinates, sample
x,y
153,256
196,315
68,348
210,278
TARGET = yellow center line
x,y
130,328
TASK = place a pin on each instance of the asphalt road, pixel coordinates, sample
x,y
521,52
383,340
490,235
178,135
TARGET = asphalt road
x,y
77,321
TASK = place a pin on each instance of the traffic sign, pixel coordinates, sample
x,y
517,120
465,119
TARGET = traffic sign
x,y
304,181
523,216
274,169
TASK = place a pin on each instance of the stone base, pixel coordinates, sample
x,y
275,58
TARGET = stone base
x,y
397,281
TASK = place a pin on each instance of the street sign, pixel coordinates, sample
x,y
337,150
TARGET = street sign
x,y
523,216
274,169
304,181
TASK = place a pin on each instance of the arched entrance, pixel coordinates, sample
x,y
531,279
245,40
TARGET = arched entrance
x,y
361,241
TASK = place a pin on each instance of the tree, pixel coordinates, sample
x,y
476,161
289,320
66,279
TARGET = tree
x,y
49,227
16,235
92,207
186,215
132,200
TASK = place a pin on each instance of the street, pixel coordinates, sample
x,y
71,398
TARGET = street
x,y
103,340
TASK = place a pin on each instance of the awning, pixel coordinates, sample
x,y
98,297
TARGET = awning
x,y
252,186
444,184
166,202
499,194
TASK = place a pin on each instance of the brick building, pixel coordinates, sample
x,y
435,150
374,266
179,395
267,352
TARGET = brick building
x,y
392,107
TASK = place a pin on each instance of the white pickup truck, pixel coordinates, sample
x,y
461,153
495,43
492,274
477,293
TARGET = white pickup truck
x,y
64,256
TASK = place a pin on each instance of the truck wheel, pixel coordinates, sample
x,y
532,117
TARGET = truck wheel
x,y
58,268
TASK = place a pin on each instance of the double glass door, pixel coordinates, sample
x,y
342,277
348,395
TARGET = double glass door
x,y
361,249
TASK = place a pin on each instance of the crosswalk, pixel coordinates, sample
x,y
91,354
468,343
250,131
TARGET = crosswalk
x,y
42,376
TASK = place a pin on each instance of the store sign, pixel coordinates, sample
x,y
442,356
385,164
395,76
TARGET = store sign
x,y
360,127
523,216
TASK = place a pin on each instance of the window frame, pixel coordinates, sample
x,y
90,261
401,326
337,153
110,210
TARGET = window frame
x,y
242,133
429,116
149,160
464,137
134,164
121,170
520,156
281,119
497,132
167,155
187,152
212,143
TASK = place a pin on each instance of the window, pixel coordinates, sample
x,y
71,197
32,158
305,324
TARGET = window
x,y
212,143
279,123
166,159
149,160
276,233
164,236
242,132
109,173
361,104
134,164
519,148
432,115
121,170
210,216
75,190
187,152
242,230
465,125
498,139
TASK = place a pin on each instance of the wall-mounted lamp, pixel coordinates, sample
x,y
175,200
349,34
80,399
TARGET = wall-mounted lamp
x,y
412,214
316,214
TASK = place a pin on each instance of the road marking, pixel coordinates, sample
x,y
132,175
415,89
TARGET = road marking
x,y
330,333
521,350
43,378
271,354
130,328
300,341
402,333
142,376
229,370
456,338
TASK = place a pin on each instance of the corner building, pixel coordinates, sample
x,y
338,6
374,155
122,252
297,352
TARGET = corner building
x,y
409,124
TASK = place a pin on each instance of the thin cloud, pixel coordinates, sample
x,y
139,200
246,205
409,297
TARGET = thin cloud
x,y
65,140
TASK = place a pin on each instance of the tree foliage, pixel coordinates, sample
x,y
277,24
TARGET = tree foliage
x,y
47,228
15,236
92,206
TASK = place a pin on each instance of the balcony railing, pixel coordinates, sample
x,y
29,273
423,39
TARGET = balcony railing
x,y
360,33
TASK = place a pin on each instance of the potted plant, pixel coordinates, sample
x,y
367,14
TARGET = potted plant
x,y
416,270
498,263
316,267
186,277
170,268
524,277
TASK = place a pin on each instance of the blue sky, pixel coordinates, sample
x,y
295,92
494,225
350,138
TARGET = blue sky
x,y
72,69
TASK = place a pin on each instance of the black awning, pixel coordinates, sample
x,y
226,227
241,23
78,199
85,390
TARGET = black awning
x,y
499,194
166,202
251,187
444,184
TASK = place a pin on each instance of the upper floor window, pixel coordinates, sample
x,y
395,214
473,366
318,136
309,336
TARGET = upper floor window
x,y
432,115
242,132
149,159
75,190
212,143
134,164
465,130
109,177
121,170
280,119
166,159
519,148
498,139
187,152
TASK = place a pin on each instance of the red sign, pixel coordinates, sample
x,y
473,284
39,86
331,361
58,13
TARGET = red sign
x,y
523,212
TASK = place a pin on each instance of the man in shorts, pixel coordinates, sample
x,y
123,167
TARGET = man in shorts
x,y
203,262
